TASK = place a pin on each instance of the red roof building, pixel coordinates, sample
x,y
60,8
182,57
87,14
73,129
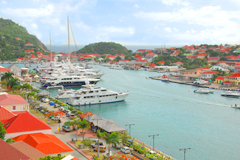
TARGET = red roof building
x,y
22,122
4,70
178,63
38,52
220,78
137,56
28,44
13,102
33,57
213,59
143,50
5,114
162,62
46,143
152,65
8,152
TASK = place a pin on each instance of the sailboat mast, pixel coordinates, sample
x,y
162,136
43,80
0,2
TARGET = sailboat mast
x,y
68,41
50,46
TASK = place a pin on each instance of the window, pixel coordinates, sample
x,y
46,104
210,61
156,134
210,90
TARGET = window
x,y
14,107
90,91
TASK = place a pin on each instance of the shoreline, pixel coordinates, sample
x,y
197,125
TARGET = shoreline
x,y
212,86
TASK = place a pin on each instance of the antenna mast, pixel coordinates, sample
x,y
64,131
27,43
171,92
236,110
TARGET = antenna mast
x,y
68,40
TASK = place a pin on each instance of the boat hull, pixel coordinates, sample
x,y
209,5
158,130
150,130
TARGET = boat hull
x,y
68,84
98,100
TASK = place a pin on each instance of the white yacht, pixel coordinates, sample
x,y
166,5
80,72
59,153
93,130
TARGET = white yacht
x,y
66,80
231,94
65,93
203,91
91,94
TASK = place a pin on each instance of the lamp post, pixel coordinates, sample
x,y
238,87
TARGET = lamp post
x,y
184,149
153,138
129,128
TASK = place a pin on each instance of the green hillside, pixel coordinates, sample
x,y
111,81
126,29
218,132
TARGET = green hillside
x,y
105,48
9,45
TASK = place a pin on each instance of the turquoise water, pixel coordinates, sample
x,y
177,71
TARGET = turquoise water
x,y
183,119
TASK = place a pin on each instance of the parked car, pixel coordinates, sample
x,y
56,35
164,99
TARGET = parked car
x,y
55,118
118,145
128,143
56,105
45,100
125,150
101,149
96,145
66,128
71,115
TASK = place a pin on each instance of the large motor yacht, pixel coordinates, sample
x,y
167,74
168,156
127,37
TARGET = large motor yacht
x,y
67,80
91,94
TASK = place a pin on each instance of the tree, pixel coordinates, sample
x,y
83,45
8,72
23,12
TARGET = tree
x,y
83,125
111,138
7,76
10,140
26,86
125,136
2,131
12,82
99,135
117,59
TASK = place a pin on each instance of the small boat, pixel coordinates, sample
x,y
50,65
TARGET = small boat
x,y
165,78
51,87
231,94
203,91
235,106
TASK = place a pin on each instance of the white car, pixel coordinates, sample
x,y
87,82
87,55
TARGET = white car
x,y
125,150
45,100
55,118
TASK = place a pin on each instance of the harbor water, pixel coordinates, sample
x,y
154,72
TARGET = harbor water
x,y
183,119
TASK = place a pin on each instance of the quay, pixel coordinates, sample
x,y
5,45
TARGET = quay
x,y
188,82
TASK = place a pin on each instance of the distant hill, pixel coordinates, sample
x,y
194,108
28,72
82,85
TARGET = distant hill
x,y
104,48
9,31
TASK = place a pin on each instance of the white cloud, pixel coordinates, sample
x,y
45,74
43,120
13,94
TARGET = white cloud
x,y
191,31
34,26
168,29
4,2
136,6
172,2
30,12
82,26
175,29
237,2
127,31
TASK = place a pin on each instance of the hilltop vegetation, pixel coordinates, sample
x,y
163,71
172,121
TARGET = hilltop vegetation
x,y
10,48
105,48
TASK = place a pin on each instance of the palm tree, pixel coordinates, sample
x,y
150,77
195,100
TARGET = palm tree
x,y
99,135
26,86
111,138
6,76
125,137
83,125
12,82
74,124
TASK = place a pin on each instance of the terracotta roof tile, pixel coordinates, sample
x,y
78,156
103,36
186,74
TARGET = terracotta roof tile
x,y
46,143
10,99
8,152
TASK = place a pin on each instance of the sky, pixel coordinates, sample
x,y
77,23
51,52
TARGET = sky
x,y
129,22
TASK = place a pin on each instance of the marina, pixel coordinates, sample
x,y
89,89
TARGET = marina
x,y
172,110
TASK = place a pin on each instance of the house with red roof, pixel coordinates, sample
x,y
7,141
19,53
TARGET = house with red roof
x,y
21,122
8,152
177,63
28,44
207,74
137,56
213,48
200,56
213,59
111,57
149,56
33,58
161,62
152,65
4,70
143,50
29,51
17,38
45,143
234,79
141,60
13,102
219,79
122,56
27,150
38,52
